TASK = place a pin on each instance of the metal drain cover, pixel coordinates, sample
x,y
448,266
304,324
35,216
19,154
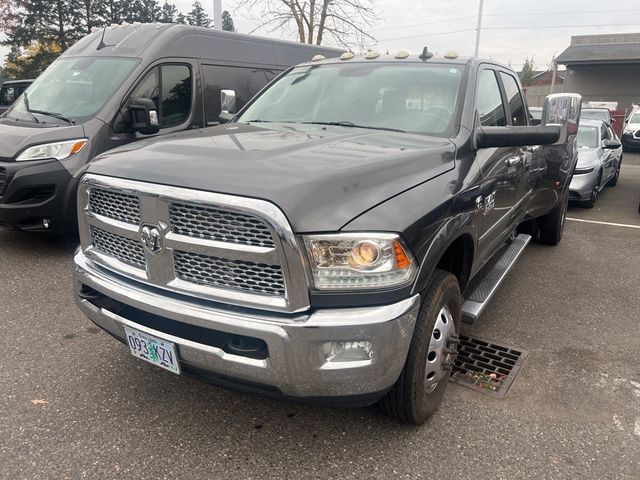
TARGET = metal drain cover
x,y
486,366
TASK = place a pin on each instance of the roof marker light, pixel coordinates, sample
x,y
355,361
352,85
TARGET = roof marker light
x,y
318,58
402,54
451,55
372,55
347,56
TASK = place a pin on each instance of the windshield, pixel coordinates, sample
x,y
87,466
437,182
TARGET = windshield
x,y
413,98
588,137
75,88
595,115
635,118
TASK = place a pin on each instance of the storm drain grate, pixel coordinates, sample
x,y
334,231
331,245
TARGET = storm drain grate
x,y
486,366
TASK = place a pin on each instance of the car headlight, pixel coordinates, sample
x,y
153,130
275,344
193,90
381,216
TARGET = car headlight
x,y
57,150
582,171
359,261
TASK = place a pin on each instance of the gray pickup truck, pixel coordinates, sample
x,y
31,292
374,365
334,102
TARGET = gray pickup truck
x,y
321,245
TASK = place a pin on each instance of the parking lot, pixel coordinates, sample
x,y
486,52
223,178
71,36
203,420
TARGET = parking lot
x,y
75,404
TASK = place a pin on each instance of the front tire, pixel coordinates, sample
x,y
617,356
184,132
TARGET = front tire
x,y
552,224
418,392
594,193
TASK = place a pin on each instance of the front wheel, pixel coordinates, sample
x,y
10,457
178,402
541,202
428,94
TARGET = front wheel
x,y
552,224
418,393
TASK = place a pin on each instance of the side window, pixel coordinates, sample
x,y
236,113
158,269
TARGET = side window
x,y
489,101
516,105
245,81
169,86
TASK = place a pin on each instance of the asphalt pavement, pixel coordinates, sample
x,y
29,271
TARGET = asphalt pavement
x,y
75,404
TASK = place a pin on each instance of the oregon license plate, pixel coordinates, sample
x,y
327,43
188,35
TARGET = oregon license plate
x,y
153,350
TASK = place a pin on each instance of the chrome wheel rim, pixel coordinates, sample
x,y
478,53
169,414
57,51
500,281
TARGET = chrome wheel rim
x,y
442,350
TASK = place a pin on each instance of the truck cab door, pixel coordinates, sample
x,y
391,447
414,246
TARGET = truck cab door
x,y
500,168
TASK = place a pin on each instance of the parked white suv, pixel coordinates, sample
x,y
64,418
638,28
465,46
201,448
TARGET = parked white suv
x,y
631,132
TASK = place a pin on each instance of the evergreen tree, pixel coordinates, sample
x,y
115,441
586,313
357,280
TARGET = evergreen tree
x,y
181,18
227,22
168,13
142,11
113,11
198,16
528,71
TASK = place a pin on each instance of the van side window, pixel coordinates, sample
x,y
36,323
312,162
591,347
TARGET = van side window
x,y
245,81
489,101
169,86
516,105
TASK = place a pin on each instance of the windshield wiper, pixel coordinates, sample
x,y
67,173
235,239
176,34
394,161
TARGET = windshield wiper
x,y
59,116
25,99
345,123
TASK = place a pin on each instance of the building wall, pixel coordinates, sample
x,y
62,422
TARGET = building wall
x,y
537,93
607,83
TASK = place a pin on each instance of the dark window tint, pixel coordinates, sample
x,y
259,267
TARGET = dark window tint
x,y
173,99
489,101
245,81
516,105
605,133
176,94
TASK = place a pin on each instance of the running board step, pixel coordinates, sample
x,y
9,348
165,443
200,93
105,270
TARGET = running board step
x,y
479,298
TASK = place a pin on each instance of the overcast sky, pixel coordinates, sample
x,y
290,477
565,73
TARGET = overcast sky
x,y
413,24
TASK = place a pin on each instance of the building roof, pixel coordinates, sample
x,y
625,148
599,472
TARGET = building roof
x,y
590,49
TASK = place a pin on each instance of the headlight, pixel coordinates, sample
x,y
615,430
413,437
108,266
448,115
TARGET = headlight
x,y
582,171
57,150
359,261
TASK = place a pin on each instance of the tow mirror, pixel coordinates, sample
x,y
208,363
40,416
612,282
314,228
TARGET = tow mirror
x,y
611,144
562,110
144,116
495,137
228,101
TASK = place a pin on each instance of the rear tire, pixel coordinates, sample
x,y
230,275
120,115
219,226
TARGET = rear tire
x,y
614,181
552,224
418,392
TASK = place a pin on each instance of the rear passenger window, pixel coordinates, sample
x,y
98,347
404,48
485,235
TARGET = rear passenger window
x,y
514,98
489,101
245,81
169,86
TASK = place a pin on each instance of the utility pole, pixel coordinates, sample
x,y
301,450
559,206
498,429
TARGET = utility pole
x,y
554,66
479,27
217,14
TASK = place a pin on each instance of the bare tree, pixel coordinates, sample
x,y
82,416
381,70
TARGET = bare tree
x,y
347,22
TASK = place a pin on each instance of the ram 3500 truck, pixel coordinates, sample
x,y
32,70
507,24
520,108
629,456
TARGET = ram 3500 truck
x,y
321,244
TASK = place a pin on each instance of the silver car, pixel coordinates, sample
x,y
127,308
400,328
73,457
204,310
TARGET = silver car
x,y
599,161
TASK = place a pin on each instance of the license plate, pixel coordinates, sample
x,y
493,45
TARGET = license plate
x,y
153,350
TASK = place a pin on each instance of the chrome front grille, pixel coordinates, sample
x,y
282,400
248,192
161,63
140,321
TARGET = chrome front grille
x,y
212,246
224,273
221,225
119,206
122,248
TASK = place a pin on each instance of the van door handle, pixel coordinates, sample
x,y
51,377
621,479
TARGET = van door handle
x,y
513,161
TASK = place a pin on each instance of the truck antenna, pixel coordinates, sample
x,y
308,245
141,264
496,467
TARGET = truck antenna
x,y
425,55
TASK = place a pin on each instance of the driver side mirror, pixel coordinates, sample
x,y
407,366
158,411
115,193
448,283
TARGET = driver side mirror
x,y
611,144
562,110
144,116
227,105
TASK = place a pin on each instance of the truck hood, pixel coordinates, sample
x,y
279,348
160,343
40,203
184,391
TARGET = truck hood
x,y
16,136
321,177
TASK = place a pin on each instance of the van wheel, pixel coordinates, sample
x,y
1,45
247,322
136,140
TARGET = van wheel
x,y
417,394
552,224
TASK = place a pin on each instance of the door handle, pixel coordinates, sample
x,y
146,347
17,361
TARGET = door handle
x,y
513,161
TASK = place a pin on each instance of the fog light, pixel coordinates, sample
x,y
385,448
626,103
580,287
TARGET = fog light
x,y
348,351
46,223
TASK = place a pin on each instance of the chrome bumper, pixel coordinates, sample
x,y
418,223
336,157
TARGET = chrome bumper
x,y
296,365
